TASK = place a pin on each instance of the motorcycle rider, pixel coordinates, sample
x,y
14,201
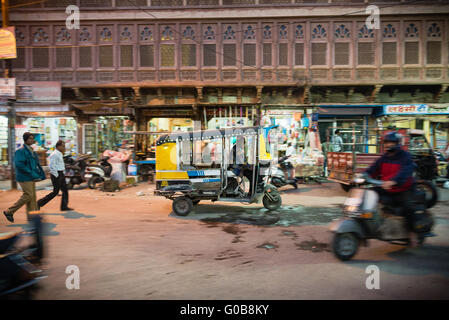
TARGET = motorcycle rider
x,y
395,167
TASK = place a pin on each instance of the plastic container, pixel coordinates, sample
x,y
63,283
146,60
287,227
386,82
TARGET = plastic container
x,y
132,170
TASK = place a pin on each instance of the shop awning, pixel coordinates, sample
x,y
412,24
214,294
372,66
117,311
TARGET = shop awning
x,y
348,111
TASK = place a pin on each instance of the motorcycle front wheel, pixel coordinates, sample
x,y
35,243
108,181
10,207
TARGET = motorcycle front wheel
x,y
345,245
92,183
430,190
272,200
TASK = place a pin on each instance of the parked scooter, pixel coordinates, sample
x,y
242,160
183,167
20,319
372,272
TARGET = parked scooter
x,y
366,219
278,174
20,256
75,170
98,173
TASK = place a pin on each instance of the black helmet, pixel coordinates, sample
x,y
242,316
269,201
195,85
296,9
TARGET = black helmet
x,y
393,137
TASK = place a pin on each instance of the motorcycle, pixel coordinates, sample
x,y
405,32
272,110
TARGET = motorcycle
x,y
365,219
278,177
98,173
19,264
75,170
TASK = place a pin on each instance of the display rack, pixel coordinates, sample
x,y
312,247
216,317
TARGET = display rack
x,y
3,140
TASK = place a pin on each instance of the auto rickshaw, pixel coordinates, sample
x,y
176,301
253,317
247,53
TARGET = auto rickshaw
x,y
231,165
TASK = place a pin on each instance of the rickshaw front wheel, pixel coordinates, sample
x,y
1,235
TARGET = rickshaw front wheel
x,y
182,206
272,200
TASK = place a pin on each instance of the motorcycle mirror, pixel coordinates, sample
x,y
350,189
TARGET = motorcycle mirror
x,y
359,180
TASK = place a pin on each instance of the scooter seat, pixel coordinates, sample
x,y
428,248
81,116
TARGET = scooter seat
x,y
6,240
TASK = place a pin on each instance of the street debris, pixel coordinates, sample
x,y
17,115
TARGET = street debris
x,y
140,194
268,246
313,246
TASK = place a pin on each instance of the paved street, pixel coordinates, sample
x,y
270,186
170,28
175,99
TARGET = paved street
x,y
128,245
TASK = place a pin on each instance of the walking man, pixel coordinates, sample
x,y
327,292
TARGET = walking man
x,y
57,168
337,142
28,172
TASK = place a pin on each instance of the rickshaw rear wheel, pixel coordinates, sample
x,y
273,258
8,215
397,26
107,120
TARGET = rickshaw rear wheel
x,y
272,201
182,206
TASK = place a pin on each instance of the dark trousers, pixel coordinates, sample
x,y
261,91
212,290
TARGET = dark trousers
x,y
58,184
403,200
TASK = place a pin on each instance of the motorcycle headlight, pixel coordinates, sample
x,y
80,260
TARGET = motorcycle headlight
x,y
351,209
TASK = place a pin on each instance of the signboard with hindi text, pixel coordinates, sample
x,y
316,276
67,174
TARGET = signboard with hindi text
x,y
416,109
8,88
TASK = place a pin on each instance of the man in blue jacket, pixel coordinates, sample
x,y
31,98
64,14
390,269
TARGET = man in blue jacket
x,y
28,171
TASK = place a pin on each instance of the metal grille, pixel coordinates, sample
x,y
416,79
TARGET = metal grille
x,y
209,55
229,54
85,55
341,53
299,54
167,55
188,55
96,3
283,75
21,76
126,56
146,56
267,75
63,57
299,75
389,53
267,56
319,74
276,1
20,61
283,54
39,76
366,74
249,54
32,4
57,3
319,53
434,52
106,56
366,53
411,53
202,2
40,57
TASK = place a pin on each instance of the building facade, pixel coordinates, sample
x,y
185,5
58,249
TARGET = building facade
x,y
209,59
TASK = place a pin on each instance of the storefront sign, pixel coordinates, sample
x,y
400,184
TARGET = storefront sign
x,y
39,91
406,109
8,43
8,87
438,110
281,112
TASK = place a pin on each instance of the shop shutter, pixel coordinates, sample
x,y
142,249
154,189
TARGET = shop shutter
x,y
106,57
434,52
126,56
209,55
85,56
267,56
40,57
229,54
299,54
188,55
341,53
167,55
166,3
249,54
366,53
63,57
283,54
412,52
146,56
319,53
57,3
96,3
389,54
20,61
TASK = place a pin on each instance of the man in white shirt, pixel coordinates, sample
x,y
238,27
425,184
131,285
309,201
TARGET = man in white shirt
x,y
337,142
289,171
57,176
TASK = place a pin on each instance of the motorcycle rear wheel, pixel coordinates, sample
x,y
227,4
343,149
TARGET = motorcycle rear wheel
x,y
430,191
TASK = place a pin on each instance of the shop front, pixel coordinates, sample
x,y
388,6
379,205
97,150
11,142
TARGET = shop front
x,y
3,140
221,117
433,119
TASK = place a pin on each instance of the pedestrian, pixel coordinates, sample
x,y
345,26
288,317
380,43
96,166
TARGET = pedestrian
x,y
28,172
57,168
337,142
